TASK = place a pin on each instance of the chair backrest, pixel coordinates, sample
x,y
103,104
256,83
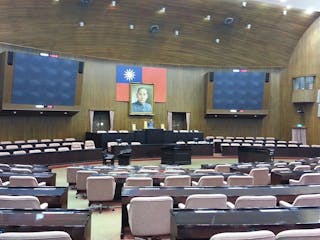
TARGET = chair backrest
x,y
100,188
19,202
256,202
54,144
23,181
224,168
218,201
81,178
63,149
19,152
20,170
69,139
89,144
32,141
50,150
19,141
204,171
46,235
71,173
4,153
40,145
138,181
146,223
260,176
177,181
24,146
307,200
35,151
10,147
254,235
299,234
235,180
76,146
45,140
309,178
302,168
211,181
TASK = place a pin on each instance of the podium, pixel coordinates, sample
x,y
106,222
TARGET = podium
x,y
176,154
299,134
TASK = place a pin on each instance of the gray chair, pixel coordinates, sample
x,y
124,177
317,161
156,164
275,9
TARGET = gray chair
x,y
17,202
254,235
217,201
46,235
299,234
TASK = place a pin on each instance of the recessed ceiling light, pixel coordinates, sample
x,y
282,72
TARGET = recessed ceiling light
x,y
284,12
81,24
113,3
217,40
244,4
162,10
131,26
176,32
248,26
207,18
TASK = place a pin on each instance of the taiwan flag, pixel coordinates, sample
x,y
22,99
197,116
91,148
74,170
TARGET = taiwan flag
x,y
133,74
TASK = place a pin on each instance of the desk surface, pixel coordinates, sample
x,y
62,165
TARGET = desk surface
x,y
202,224
75,222
56,197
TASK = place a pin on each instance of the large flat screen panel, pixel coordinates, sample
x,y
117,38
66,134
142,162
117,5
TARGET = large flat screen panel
x,y
238,90
44,80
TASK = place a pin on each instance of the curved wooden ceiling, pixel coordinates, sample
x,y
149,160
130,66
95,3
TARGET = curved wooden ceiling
x,y
54,25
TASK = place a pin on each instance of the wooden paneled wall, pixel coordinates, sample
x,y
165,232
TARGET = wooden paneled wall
x,y
304,61
185,93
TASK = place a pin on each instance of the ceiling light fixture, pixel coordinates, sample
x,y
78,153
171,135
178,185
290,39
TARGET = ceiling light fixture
x,y
284,12
131,26
162,10
248,26
81,24
244,4
114,3
176,32
217,40
207,18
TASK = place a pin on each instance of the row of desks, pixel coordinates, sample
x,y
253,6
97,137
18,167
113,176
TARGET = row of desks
x,y
179,194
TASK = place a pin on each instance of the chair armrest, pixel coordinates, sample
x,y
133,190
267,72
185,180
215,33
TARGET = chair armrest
x,y
162,184
194,183
285,204
5,184
44,205
230,205
293,182
225,183
181,205
41,184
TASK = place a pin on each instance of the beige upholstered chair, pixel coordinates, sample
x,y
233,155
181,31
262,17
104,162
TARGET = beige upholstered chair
x,y
21,202
261,176
235,180
4,153
306,200
35,151
302,168
6,142
177,181
146,223
218,201
19,142
306,178
4,184
50,150
204,171
40,145
223,168
76,146
135,143
63,149
280,169
25,181
254,235
54,144
69,139
23,166
81,180
19,152
110,144
57,140
32,141
138,182
71,174
100,189
11,147
20,170
210,181
89,144
149,171
255,202
45,140
26,146
46,235
299,234
174,171
153,167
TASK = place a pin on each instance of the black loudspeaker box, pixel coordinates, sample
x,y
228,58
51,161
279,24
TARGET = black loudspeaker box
x,y
10,58
267,77
80,68
211,76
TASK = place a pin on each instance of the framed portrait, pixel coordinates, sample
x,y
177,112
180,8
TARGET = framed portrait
x,y
141,99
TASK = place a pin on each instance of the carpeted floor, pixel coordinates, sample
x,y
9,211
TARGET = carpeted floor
x,y
106,225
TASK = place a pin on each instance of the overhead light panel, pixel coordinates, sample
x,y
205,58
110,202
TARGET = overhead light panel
x,y
162,10
207,18
131,26
113,3
244,4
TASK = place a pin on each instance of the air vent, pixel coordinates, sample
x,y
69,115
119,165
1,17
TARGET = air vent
x,y
154,28
228,20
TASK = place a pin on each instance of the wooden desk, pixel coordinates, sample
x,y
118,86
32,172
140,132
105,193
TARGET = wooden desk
x,y
179,194
53,158
282,177
74,222
48,177
202,224
177,154
56,197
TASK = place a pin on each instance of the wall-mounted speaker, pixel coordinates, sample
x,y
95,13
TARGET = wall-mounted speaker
x,y
10,58
267,79
211,76
80,68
